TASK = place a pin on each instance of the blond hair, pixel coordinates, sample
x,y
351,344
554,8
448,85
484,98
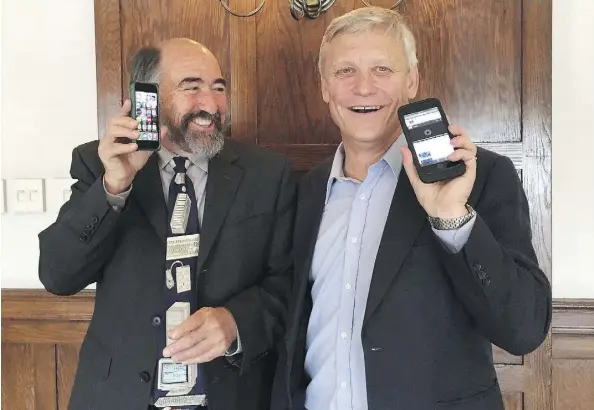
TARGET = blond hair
x,y
369,19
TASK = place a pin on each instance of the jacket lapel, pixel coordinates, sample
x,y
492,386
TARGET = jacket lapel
x,y
405,220
309,216
148,190
223,180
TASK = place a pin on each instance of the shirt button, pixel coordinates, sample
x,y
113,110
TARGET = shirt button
x,y
349,286
343,335
343,385
363,197
353,240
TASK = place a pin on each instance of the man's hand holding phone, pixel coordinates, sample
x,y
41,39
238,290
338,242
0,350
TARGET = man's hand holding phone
x,y
446,199
121,161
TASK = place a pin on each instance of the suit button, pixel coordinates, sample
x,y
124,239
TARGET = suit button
x,y
156,321
95,220
203,271
83,237
145,376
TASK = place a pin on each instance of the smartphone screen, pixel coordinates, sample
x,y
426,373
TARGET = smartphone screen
x,y
145,109
429,136
146,115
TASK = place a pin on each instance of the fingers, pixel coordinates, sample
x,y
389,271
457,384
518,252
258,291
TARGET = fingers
x,y
115,149
191,324
409,167
465,149
204,351
462,155
181,348
115,132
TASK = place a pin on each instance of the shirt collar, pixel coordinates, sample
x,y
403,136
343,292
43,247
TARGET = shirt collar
x,y
392,157
165,157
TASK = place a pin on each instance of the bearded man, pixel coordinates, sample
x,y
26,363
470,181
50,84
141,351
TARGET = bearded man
x,y
189,248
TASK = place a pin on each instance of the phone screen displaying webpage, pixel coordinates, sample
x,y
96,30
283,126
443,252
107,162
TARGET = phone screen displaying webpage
x,y
429,136
146,115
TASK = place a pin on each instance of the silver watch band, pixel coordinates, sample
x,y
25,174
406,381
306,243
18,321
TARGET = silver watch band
x,y
453,223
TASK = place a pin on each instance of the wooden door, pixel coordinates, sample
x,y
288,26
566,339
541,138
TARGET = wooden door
x,y
489,61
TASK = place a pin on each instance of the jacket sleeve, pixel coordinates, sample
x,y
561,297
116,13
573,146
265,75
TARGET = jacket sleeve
x,y
74,249
496,274
259,311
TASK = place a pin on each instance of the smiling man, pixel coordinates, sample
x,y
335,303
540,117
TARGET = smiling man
x,y
187,308
401,287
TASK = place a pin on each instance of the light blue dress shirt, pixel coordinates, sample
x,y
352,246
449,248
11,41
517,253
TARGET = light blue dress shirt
x,y
350,232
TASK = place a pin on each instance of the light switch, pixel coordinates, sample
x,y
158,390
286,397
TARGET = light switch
x,y
57,192
25,195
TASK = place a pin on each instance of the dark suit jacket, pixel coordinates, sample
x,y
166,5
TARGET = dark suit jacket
x,y
431,316
244,264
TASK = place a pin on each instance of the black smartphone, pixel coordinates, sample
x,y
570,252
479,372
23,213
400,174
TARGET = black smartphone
x,y
425,127
145,109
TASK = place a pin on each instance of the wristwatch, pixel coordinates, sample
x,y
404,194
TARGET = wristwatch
x,y
453,223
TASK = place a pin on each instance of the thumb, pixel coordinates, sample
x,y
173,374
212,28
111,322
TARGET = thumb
x,y
125,109
409,166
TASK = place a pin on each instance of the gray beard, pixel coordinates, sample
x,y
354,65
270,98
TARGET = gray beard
x,y
204,144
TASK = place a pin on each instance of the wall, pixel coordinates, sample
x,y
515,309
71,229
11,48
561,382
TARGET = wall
x,y
48,46
573,185
49,107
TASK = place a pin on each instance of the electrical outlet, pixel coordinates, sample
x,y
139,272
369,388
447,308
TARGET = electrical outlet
x,y
25,195
57,192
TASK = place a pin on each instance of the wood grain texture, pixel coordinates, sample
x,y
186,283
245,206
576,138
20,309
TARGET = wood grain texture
x,y
43,331
66,363
28,376
573,382
40,363
41,305
537,77
470,58
108,49
513,401
147,23
243,96
573,316
536,173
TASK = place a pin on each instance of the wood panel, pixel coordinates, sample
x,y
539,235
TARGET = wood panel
x,y
28,376
475,69
39,357
108,50
513,401
66,363
147,23
536,171
243,98
574,384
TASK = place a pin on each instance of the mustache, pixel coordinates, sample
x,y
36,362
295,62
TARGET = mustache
x,y
205,115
